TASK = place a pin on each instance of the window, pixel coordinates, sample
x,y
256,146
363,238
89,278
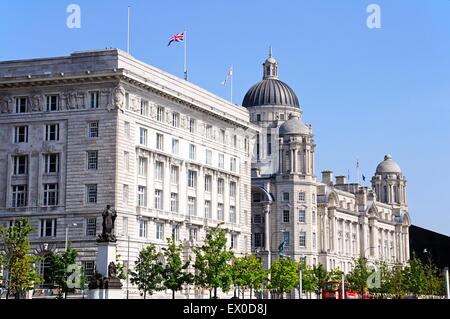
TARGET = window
x,y
232,189
21,105
160,114
302,216
176,119
92,160
256,197
282,117
286,216
175,144
208,210
222,136
232,214
21,134
158,199
258,240
19,196
126,194
93,129
192,151
233,166
143,228
220,186
302,239
286,197
91,227
193,233
94,99
233,241
91,193
287,238
208,182
127,129
208,159
126,159
174,173
142,136
52,103
160,231
258,117
51,162
220,213
142,166
313,217
235,141
208,130
257,219
192,125
192,179
221,161
174,202
314,240
159,141
192,206
159,171
301,196
175,232
52,132
88,268
269,144
144,107
48,227
50,194
20,164
313,197
142,196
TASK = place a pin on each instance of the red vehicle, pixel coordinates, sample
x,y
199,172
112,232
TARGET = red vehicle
x,y
333,290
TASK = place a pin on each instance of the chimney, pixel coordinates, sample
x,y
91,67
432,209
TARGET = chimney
x,y
327,177
341,180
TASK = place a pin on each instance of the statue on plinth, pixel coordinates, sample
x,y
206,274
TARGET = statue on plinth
x,y
109,217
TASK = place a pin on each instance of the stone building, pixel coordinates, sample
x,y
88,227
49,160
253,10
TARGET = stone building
x,y
101,128
294,215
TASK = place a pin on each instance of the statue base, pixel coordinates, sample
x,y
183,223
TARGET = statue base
x,y
106,253
106,294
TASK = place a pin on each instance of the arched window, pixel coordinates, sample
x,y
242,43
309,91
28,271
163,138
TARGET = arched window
x,y
44,270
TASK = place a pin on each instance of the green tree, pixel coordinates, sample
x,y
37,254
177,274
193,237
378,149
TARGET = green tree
x,y
148,270
248,271
434,279
414,277
321,278
309,280
175,273
283,276
359,275
120,271
396,282
60,271
19,263
212,261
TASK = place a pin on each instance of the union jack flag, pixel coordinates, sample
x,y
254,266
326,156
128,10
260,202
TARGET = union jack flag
x,y
177,38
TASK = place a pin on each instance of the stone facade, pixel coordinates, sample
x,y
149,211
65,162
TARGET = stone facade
x,y
330,222
99,127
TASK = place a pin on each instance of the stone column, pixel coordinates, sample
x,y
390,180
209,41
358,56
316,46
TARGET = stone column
x,y
267,243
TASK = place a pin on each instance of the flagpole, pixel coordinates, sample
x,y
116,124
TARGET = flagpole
x,y
357,171
231,85
128,33
185,59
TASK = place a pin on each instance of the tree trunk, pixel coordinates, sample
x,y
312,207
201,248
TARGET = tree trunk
x,y
251,293
145,294
215,292
173,294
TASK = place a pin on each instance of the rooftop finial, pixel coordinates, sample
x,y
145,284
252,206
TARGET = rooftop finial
x,y
270,51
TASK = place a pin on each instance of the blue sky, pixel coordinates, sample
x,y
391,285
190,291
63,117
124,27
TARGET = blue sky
x,y
367,92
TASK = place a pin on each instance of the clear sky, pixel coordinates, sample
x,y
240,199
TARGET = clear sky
x,y
367,92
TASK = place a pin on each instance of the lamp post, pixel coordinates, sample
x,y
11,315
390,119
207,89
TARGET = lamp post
x,y
343,284
447,284
128,263
67,234
300,274
269,256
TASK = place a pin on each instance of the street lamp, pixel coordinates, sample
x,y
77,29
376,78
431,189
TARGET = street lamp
x,y
128,263
447,282
67,234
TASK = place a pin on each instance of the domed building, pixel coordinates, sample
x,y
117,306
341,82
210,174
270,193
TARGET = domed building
x,y
294,215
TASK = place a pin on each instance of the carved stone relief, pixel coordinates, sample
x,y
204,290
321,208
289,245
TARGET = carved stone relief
x,y
6,104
